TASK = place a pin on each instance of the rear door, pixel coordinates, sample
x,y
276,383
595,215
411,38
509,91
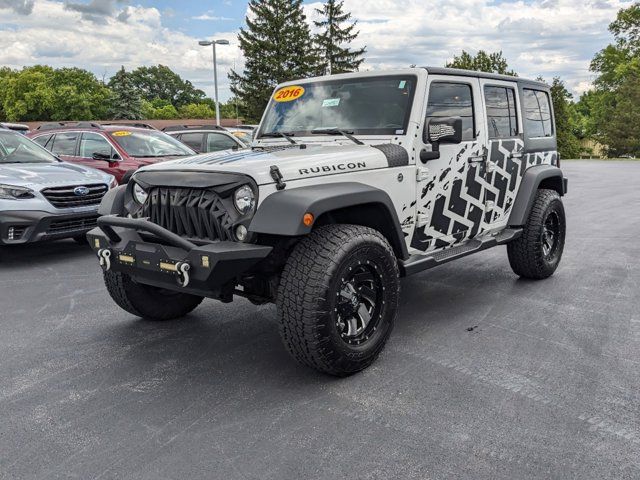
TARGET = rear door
x,y
65,146
194,140
505,155
450,193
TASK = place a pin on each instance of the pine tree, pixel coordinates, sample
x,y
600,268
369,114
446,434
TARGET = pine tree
x,y
277,47
335,56
126,103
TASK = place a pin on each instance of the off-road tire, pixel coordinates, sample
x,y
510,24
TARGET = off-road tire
x,y
307,297
150,303
526,253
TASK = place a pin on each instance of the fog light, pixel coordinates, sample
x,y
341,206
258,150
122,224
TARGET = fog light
x,y
11,233
241,233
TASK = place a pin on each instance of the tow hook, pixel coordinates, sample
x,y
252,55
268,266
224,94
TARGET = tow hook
x,y
183,273
104,254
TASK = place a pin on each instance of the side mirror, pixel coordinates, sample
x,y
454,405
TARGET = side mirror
x,y
101,156
444,130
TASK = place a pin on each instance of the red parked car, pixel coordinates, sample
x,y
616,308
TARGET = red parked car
x,y
116,149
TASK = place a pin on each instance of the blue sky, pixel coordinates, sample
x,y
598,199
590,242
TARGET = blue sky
x,y
538,37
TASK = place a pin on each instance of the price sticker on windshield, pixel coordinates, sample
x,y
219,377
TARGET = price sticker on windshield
x,y
288,94
121,134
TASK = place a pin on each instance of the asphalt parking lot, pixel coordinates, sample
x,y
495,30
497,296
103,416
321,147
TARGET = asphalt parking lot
x,y
545,385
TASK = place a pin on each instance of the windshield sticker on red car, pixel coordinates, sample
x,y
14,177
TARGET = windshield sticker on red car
x,y
122,133
288,94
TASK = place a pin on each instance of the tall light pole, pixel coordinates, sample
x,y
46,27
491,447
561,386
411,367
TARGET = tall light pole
x,y
207,43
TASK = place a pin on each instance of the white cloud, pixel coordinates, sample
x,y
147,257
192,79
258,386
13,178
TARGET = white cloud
x,y
59,36
539,37
210,16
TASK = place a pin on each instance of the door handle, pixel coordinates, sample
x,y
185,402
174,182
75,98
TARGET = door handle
x,y
479,159
516,155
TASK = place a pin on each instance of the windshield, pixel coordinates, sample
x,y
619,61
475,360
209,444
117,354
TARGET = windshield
x,y
150,144
365,106
16,148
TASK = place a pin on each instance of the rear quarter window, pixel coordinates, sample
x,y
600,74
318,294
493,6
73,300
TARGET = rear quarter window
x,y
537,114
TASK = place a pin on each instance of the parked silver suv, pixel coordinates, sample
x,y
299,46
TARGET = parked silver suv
x,y
42,197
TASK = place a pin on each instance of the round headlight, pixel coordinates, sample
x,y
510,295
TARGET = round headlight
x,y
244,199
139,195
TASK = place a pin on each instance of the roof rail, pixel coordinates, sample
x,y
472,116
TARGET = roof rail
x,y
177,128
63,125
135,125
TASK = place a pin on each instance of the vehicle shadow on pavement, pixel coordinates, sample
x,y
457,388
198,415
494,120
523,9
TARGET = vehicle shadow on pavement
x,y
43,253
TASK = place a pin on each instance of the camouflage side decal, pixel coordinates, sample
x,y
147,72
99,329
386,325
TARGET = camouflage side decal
x,y
454,199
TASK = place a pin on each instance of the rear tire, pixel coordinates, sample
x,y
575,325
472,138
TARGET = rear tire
x,y
338,298
537,253
150,303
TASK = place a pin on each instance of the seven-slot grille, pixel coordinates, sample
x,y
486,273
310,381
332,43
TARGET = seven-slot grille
x,y
72,224
190,213
69,197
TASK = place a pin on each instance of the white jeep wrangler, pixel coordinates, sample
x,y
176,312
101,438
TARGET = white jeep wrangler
x,y
353,181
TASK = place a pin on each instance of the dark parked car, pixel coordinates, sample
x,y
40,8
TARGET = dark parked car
x,y
116,149
206,138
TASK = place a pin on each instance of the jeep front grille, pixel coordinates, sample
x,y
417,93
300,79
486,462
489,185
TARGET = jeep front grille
x,y
190,213
66,197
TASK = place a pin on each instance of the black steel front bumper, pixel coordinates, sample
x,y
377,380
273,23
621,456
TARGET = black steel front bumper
x,y
155,256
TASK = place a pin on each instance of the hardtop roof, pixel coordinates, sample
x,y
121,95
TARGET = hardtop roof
x,y
491,76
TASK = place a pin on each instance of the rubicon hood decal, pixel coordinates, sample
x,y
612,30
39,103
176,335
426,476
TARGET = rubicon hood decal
x,y
293,162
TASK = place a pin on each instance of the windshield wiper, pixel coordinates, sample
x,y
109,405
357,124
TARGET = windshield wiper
x,y
336,131
286,136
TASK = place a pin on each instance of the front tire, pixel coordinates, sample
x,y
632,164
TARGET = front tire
x,y
338,298
537,253
150,303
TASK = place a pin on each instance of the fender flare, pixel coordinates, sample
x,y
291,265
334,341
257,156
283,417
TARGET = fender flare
x,y
281,212
113,201
546,175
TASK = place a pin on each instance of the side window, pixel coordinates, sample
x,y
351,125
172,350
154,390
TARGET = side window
x,y
453,100
94,143
537,116
65,143
43,140
217,142
193,140
502,119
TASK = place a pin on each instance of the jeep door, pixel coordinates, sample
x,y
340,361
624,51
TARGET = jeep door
x,y
450,193
505,165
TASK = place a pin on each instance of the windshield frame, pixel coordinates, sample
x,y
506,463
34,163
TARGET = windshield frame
x,y
161,136
46,158
358,132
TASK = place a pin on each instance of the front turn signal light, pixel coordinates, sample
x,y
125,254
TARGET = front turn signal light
x,y
308,219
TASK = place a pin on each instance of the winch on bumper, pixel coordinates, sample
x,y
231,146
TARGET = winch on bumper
x,y
166,260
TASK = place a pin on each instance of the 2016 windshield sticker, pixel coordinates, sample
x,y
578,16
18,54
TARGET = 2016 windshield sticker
x,y
331,102
121,134
288,94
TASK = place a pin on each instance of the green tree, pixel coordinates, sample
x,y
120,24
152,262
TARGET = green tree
x,y
621,131
163,83
159,110
42,93
566,120
333,50
196,111
482,62
125,102
618,70
277,47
